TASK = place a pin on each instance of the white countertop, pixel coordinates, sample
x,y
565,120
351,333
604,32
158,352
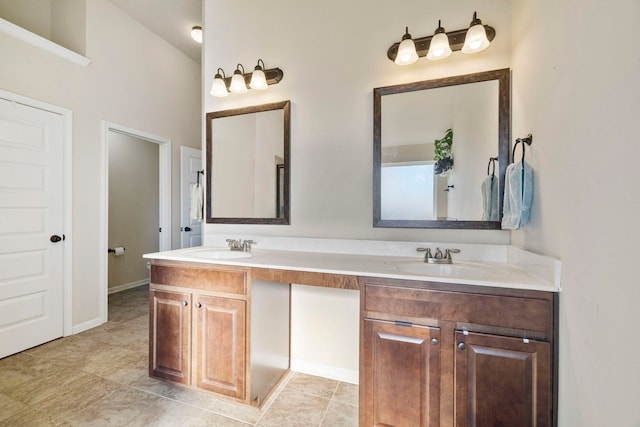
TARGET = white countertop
x,y
516,269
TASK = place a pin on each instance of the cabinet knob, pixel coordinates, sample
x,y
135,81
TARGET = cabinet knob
x,y
198,305
185,303
462,346
434,341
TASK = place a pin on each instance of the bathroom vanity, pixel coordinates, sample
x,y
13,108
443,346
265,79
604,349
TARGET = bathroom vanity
x,y
469,343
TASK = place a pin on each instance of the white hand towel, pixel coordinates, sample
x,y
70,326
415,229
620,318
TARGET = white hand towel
x,y
518,195
195,211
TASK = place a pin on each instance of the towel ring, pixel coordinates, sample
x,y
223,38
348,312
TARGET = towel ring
x,y
526,140
492,166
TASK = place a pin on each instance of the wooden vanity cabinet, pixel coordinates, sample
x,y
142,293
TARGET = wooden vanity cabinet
x,y
436,354
170,335
198,327
220,334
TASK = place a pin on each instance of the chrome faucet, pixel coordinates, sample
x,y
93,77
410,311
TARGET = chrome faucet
x,y
439,257
240,245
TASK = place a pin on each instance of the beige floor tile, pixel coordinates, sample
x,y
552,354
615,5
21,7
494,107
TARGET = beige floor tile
x,y
195,398
33,418
115,409
309,384
75,395
340,415
151,385
237,411
293,408
347,393
169,413
9,407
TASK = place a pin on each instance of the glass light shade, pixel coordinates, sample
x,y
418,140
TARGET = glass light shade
x,y
406,52
439,47
475,40
258,80
196,33
238,85
219,88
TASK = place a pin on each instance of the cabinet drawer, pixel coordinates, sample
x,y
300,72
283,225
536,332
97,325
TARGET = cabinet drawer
x,y
219,280
514,312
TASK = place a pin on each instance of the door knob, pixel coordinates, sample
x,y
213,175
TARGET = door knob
x,y
55,238
462,346
198,305
187,229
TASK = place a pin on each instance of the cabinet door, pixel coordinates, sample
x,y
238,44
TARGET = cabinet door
x,y
220,345
401,375
169,335
502,381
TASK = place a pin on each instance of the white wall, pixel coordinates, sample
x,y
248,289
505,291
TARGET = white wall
x,y
135,80
577,89
333,53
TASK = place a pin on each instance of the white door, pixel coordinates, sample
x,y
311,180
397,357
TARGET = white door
x,y
190,164
31,226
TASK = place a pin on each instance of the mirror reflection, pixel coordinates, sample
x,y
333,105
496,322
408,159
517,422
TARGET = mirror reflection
x,y
433,142
248,165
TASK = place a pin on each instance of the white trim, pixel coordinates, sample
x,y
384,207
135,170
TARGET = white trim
x,y
320,370
89,324
42,43
164,199
67,205
126,286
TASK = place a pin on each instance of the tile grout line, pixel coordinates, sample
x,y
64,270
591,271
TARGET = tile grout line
x,y
324,415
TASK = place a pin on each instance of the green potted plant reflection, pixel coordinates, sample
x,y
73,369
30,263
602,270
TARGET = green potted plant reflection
x,y
444,161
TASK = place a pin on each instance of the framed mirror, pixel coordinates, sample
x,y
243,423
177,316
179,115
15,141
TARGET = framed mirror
x,y
248,165
440,152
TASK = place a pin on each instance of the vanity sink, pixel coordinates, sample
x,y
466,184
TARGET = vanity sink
x,y
465,270
219,254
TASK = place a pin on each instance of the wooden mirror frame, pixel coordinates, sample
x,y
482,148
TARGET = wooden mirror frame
x,y
286,107
503,76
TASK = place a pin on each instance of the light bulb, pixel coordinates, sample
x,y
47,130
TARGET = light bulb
x,y
439,47
476,38
219,88
258,78
196,33
238,85
406,51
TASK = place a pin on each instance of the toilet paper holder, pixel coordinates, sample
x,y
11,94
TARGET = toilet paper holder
x,y
113,250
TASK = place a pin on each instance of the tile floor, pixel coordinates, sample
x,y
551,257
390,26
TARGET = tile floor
x,y
99,378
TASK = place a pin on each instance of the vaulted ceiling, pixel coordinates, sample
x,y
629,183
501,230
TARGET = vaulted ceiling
x,y
170,19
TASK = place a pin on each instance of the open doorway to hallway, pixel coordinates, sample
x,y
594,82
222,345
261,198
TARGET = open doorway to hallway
x,y
134,221
137,211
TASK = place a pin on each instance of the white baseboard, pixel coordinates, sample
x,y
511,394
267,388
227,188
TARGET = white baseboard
x,y
87,325
332,372
126,286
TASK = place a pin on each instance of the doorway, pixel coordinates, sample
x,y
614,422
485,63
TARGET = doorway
x,y
131,149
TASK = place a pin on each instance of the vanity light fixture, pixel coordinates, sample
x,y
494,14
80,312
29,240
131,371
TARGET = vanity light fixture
x,y
238,83
219,86
474,39
259,79
196,33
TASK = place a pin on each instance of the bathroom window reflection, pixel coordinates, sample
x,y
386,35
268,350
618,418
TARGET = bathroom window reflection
x,y
408,191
